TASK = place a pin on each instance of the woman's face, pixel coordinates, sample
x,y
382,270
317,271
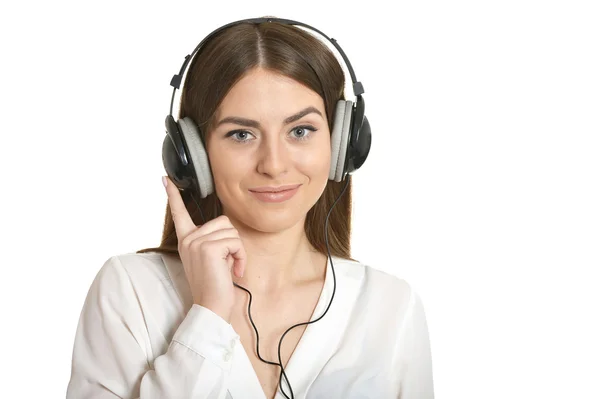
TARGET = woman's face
x,y
269,131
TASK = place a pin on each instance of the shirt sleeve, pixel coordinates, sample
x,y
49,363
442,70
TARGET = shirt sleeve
x,y
413,354
110,356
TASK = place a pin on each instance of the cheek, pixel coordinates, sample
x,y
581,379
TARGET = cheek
x,y
314,164
220,156
224,171
318,159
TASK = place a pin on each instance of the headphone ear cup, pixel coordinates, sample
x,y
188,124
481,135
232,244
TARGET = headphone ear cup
x,y
360,147
360,140
199,158
340,136
175,158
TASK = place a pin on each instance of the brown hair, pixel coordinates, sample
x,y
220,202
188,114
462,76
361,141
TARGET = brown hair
x,y
289,51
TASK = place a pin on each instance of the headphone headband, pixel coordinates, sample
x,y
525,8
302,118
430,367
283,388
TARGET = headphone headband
x,y
357,87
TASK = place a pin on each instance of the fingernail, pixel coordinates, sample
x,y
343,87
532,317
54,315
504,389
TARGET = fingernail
x,y
164,180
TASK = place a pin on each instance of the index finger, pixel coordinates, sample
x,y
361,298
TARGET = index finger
x,y
184,224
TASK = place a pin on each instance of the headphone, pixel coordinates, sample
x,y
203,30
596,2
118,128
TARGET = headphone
x,y
186,161
185,158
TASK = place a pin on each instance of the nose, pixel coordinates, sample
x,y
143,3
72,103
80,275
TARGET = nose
x,y
274,158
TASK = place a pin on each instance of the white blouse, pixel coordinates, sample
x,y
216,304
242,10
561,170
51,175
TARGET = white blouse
x,y
140,336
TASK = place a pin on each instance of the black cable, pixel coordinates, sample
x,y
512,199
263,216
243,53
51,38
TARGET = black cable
x,y
280,364
330,301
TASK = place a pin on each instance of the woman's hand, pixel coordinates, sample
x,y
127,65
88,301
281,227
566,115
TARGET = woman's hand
x,y
209,253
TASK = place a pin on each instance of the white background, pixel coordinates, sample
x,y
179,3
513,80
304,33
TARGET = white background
x,y
481,188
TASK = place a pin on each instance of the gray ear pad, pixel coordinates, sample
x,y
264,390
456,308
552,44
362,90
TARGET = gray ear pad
x,y
191,134
339,139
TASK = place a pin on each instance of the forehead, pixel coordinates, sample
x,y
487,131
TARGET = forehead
x,y
269,94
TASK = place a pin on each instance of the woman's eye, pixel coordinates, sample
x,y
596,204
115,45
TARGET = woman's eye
x,y
302,132
241,136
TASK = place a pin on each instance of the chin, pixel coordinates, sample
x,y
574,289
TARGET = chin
x,y
269,219
273,220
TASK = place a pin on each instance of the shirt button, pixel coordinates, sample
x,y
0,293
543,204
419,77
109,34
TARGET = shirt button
x,y
227,356
232,343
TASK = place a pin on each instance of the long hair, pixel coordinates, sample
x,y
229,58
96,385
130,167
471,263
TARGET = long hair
x,y
218,66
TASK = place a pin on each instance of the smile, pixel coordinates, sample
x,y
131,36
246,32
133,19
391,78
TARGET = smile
x,y
275,194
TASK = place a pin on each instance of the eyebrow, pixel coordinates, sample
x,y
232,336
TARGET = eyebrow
x,y
255,124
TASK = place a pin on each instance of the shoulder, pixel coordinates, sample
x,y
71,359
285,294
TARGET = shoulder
x,y
145,265
137,271
142,283
377,284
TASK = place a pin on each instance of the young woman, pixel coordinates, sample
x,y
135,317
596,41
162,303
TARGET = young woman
x,y
253,292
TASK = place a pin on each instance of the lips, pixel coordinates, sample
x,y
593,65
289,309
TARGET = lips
x,y
270,189
274,194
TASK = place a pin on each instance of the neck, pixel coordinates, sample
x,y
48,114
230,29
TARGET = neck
x,y
279,261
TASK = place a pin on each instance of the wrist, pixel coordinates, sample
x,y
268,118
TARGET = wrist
x,y
222,311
